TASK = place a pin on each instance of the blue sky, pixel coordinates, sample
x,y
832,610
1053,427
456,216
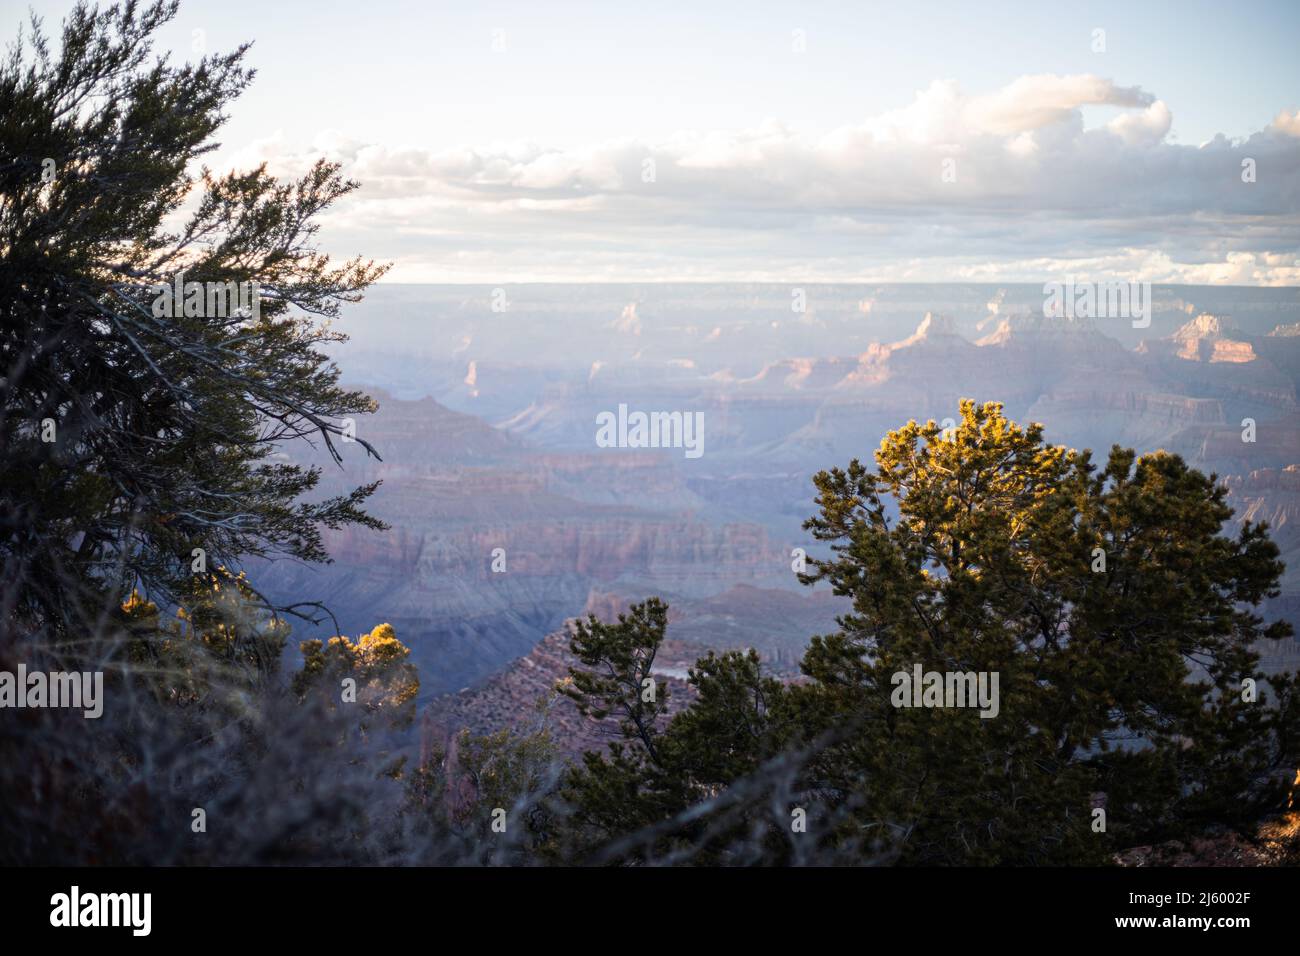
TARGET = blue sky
x,y
523,152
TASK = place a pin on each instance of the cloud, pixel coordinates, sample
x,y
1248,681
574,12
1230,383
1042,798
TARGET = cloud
x,y
1287,123
1147,128
1033,102
950,186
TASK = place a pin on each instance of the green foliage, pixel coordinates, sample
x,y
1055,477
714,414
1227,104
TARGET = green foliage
x,y
621,684
164,424
458,793
651,775
386,684
222,641
976,551
502,768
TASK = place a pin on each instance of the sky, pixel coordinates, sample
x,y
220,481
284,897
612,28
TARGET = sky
x,y
517,142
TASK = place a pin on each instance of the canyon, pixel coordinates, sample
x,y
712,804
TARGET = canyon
x,y
508,518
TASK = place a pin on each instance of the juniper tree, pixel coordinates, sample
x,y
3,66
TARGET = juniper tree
x,y
618,681
132,440
1116,610
694,788
1112,604
385,683
136,459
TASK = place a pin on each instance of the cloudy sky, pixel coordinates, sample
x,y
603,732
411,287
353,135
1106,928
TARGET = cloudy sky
x,y
513,142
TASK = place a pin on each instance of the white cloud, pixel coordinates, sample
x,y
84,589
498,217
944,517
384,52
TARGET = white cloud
x,y
1288,123
1032,187
1033,102
1147,128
